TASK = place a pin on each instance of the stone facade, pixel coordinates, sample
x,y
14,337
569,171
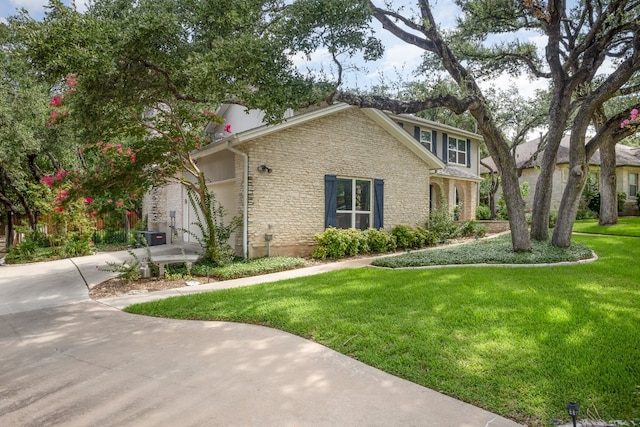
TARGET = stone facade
x,y
288,202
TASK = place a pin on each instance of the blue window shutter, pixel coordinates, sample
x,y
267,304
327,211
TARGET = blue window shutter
x,y
468,153
434,142
378,204
416,133
445,148
330,201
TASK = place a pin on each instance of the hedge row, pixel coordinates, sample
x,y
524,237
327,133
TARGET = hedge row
x,y
339,243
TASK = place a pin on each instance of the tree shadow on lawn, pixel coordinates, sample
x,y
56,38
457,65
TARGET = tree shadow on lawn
x,y
520,342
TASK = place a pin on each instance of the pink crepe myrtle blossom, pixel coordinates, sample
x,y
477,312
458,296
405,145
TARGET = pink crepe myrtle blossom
x,y
634,119
88,200
119,203
72,81
227,128
56,101
47,180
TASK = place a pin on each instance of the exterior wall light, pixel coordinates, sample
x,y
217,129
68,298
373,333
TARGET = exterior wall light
x,y
264,168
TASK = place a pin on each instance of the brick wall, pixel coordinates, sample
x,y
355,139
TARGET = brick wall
x,y
288,203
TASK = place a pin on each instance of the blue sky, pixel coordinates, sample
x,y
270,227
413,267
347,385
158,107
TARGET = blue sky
x,y
399,59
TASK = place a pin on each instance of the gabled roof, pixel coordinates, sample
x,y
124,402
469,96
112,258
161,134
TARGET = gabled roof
x,y
625,156
377,116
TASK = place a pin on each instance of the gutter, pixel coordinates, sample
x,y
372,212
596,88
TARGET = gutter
x,y
245,198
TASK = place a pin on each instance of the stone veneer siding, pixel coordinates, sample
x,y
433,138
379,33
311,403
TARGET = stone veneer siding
x,y
288,203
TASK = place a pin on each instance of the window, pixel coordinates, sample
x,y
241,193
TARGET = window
x,y
425,139
353,202
633,184
457,151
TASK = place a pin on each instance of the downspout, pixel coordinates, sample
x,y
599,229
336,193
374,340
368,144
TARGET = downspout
x,y
245,199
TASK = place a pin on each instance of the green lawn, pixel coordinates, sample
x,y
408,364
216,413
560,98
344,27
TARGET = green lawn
x,y
520,342
626,226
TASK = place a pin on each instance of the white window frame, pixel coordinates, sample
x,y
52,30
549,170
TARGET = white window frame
x,y
634,193
457,150
353,211
425,139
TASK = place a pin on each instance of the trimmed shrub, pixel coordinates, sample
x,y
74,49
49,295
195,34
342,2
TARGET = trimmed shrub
x,y
405,236
331,244
424,237
379,241
471,228
483,213
622,200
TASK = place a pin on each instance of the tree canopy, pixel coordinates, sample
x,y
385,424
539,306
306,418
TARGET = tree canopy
x,y
591,56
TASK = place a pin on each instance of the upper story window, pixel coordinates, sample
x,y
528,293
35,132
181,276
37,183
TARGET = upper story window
x,y
425,139
633,184
457,151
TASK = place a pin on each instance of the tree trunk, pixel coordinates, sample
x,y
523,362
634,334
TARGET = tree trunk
x,y
492,204
608,190
569,205
506,164
558,114
515,208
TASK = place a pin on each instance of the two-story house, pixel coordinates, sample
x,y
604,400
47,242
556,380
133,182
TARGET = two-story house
x,y
337,166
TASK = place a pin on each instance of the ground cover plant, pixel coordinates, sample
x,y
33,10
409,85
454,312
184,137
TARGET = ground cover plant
x,y
520,342
487,251
245,268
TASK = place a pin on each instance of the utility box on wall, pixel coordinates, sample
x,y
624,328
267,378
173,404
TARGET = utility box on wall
x,y
152,238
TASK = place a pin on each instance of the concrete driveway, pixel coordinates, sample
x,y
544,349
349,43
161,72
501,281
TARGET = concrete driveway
x,y
67,360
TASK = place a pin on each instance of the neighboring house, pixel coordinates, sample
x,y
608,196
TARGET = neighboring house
x,y
337,166
627,171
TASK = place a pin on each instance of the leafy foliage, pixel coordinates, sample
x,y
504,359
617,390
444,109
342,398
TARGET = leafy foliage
x,y
442,224
245,268
488,251
214,233
483,212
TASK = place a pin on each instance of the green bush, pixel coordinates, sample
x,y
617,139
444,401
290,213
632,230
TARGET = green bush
x,y
471,228
24,251
441,223
244,268
332,243
405,236
424,237
379,241
483,213
553,217
622,200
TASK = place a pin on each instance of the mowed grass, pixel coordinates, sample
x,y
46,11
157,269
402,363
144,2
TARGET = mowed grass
x,y
626,226
520,342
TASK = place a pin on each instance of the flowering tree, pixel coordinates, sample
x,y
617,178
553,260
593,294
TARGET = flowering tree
x,y
148,72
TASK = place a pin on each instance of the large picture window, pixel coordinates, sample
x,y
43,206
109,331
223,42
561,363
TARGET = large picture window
x,y
633,184
457,151
353,202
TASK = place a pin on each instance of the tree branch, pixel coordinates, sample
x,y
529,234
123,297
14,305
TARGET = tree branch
x,y
457,105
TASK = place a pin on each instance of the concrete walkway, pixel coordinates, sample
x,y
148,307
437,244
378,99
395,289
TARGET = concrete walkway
x,y
68,360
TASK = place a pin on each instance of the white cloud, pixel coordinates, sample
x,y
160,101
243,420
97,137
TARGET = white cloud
x,y
30,5
317,58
